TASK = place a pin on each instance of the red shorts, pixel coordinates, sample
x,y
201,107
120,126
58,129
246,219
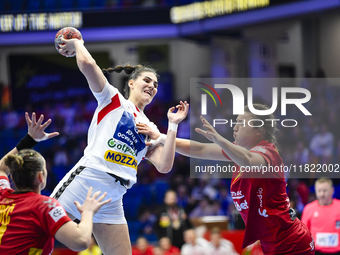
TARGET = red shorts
x,y
297,241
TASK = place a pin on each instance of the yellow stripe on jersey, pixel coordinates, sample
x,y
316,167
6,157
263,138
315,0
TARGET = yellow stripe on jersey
x,y
35,251
4,218
121,159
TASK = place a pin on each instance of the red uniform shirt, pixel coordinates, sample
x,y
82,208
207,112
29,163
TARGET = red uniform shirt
x,y
28,221
264,206
323,221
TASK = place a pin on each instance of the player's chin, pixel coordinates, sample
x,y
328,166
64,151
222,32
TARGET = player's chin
x,y
148,100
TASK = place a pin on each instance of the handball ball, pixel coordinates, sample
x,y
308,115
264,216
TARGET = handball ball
x,y
66,33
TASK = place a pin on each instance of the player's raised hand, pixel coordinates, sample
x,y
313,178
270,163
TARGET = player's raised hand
x,y
182,112
67,46
92,203
36,129
209,132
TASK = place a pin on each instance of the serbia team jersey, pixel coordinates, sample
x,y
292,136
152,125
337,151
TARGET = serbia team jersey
x,y
264,206
114,145
29,221
324,223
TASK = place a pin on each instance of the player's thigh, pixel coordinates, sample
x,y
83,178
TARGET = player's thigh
x,y
113,239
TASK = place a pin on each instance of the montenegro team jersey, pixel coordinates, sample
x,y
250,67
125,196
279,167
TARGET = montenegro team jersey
x,y
114,145
29,221
324,223
264,206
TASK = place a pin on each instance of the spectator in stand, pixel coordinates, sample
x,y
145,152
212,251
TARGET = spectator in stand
x,y
301,154
193,245
322,217
322,144
142,247
167,247
183,198
219,245
216,209
171,221
157,251
301,189
204,189
202,209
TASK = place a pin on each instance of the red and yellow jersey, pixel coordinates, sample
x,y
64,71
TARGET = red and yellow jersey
x,y
323,221
264,204
29,221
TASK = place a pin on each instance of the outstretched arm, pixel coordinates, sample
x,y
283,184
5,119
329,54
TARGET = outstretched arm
x,y
163,157
238,154
193,149
189,148
75,236
36,133
87,65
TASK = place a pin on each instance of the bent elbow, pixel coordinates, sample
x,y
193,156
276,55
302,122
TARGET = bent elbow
x,y
81,244
165,169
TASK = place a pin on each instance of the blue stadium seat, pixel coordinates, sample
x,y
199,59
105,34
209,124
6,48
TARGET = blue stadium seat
x,y
134,227
158,189
131,206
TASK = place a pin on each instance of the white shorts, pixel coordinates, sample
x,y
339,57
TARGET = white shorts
x,y
74,187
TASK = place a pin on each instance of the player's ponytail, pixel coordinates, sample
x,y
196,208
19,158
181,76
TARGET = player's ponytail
x,y
128,69
132,71
269,128
24,167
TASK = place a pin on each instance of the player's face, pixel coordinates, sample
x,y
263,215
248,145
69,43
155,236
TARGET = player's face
x,y
43,184
245,135
324,193
170,198
190,236
144,88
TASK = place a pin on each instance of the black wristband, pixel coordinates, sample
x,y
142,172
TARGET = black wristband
x,y
26,143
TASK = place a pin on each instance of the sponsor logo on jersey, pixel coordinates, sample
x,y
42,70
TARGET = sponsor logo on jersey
x,y
121,159
241,206
337,224
112,144
312,244
237,195
127,132
260,197
57,213
263,213
292,214
327,239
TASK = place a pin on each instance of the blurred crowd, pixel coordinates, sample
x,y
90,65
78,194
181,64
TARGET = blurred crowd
x,y
315,140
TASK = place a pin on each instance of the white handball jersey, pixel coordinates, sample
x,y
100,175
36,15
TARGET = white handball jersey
x,y
114,145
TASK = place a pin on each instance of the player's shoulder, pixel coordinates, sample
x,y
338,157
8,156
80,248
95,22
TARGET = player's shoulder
x,y
311,205
42,201
336,201
265,147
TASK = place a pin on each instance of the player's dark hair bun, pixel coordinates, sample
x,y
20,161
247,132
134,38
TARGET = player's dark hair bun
x,y
14,162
